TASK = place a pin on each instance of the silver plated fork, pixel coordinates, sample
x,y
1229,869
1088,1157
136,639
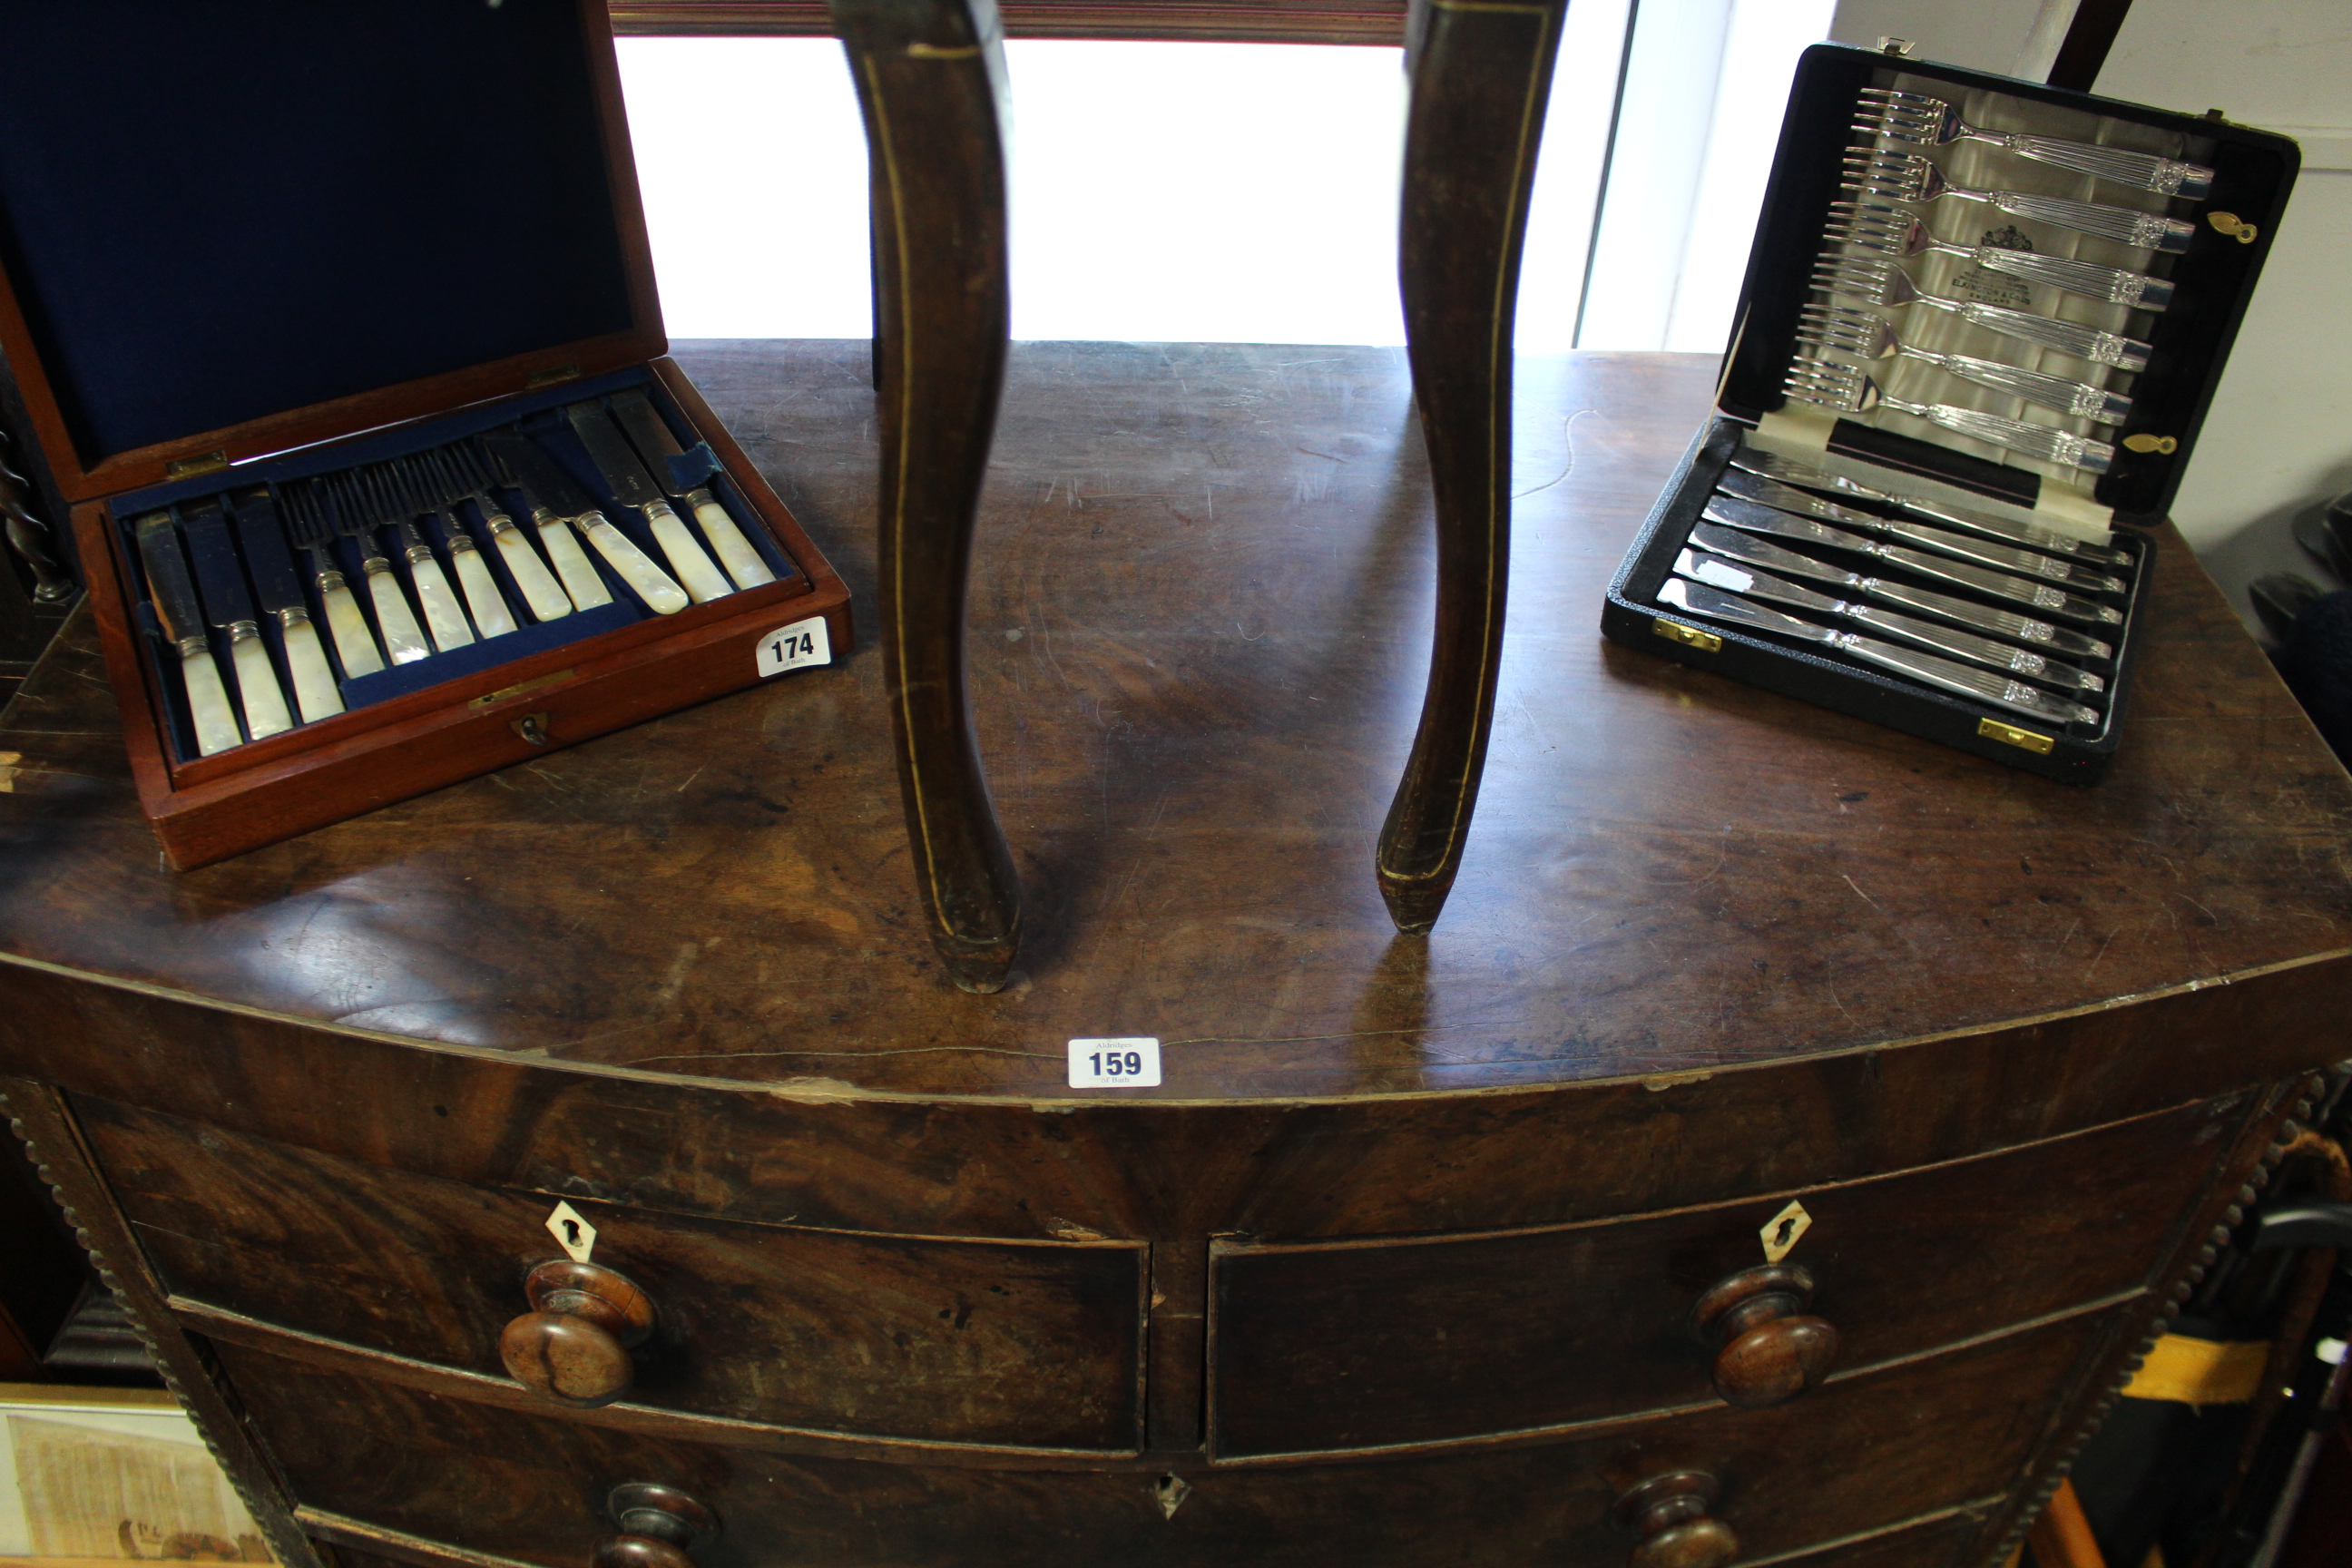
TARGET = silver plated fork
x,y
1843,387
1865,336
1891,231
1886,285
1908,177
1930,122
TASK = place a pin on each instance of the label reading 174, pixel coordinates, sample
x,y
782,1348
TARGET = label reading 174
x,y
789,648
1130,1062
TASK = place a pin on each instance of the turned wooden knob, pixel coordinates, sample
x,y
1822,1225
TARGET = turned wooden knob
x,y
1676,1532
573,1345
658,1526
1772,1349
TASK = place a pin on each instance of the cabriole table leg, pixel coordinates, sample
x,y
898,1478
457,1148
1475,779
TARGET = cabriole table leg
x,y
1481,73
931,81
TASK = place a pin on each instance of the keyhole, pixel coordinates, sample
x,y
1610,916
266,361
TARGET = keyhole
x,y
571,1233
1780,1236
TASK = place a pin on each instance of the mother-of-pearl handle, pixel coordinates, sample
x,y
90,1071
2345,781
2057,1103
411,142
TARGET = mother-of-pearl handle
x,y
404,639
354,644
482,596
540,591
442,615
217,728
314,683
686,557
257,684
652,584
580,579
735,552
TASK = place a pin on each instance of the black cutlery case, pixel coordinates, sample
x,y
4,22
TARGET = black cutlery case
x,y
2227,231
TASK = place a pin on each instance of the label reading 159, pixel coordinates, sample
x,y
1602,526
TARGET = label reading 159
x,y
789,648
1131,1062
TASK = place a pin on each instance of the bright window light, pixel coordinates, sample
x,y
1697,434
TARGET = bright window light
x,y
1162,192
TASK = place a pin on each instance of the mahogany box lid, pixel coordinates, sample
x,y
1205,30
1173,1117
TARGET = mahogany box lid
x,y
234,229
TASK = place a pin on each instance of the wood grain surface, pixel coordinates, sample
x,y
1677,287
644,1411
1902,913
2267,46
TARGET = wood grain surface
x,y
1198,575
1035,1343
1875,1454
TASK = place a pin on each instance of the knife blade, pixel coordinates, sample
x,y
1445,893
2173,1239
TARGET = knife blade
x,y
1734,578
545,484
650,434
626,478
1756,519
280,588
1984,686
1787,470
1960,546
220,583
1990,619
173,597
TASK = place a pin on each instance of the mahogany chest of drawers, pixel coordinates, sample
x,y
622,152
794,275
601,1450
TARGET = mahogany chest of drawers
x,y
1780,1153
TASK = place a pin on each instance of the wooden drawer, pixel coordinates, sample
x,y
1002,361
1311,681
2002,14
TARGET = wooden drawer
x,y
1030,1344
1336,1345
1872,1454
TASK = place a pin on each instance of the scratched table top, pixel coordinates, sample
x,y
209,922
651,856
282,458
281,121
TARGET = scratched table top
x,y
1199,627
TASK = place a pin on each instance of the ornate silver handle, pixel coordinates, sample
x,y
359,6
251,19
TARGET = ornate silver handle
x,y
2109,283
2167,176
2151,231
2066,337
2049,391
2052,446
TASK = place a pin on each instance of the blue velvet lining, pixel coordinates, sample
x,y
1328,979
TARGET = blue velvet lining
x,y
220,211
542,414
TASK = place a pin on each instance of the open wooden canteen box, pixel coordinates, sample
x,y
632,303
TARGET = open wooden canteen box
x,y
1980,326
337,326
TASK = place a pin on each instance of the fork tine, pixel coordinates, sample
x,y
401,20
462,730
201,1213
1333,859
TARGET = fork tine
x,y
1837,330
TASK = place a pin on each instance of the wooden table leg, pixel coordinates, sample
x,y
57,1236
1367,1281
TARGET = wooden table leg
x,y
930,80
1481,73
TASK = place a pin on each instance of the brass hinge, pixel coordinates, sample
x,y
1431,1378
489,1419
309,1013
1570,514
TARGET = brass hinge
x,y
1690,636
2010,735
189,467
562,373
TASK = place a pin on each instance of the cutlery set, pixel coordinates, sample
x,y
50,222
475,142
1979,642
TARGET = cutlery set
x,y
2018,618
2019,328
443,563
1875,229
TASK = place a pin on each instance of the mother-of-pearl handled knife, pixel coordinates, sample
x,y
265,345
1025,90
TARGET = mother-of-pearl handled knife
x,y
173,597
636,416
542,478
280,588
1757,519
632,487
1984,685
220,583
